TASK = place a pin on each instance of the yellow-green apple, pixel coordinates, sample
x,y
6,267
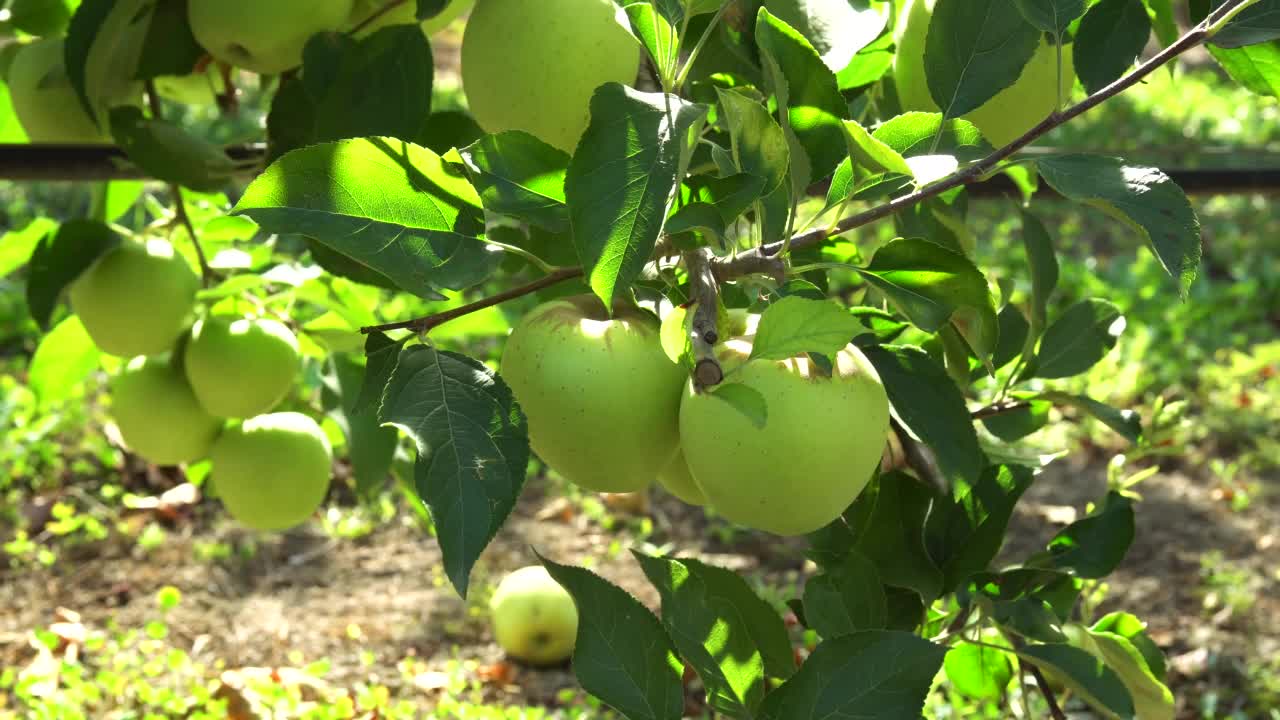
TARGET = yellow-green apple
x,y
241,367
158,414
601,396
404,14
821,441
272,471
677,480
134,300
264,36
534,619
533,65
43,99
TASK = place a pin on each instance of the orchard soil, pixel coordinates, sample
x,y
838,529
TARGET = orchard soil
x,y
305,592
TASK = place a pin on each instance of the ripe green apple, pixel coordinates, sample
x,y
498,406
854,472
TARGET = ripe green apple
x,y
404,14
135,299
1003,118
46,104
158,414
533,65
264,36
272,471
601,396
534,619
820,444
677,480
240,367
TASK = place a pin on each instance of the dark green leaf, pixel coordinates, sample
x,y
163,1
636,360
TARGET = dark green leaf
x,y
1094,546
966,536
894,534
1013,425
1111,36
731,196
1256,24
847,598
759,144
731,637
473,448
699,218
795,325
1044,271
396,207
59,259
170,48
1075,342
170,153
103,47
870,675
1088,676
291,122
1051,16
517,174
975,49
1144,198
370,446
622,655
449,129
382,87
837,29
1030,617
659,32
620,182
1126,422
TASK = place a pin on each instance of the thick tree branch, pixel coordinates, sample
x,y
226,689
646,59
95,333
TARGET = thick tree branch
x,y
704,332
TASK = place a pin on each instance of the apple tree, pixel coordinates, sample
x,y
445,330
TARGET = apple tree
x,y
740,230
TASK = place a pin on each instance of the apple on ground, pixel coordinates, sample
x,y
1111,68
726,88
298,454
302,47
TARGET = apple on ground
x,y
820,444
241,367
135,299
158,414
601,396
263,36
533,65
534,619
272,471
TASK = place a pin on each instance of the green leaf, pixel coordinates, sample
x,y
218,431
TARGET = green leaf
x,y
847,598
930,405
473,448
370,446
291,121
965,536
395,207
170,153
1129,627
518,175
622,655
837,29
795,325
746,400
65,356
1044,272
1144,198
1094,546
660,35
1030,617
1151,699
975,49
1087,676
1256,67
1077,340
1256,24
170,47
1125,422
731,637
872,153
808,91
695,218
17,246
103,48
1013,425
920,133
870,675
978,671
759,144
381,87
1111,36
731,196
1051,16
893,537
622,179
59,259
40,17
1163,20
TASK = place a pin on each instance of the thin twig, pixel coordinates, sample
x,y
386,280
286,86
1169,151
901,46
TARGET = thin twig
x,y
376,14
704,331
180,205
429,322
1045,690
998,409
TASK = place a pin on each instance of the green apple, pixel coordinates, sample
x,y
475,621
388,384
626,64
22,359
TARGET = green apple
x,y
135,299
601,396
158,414
533,65
264,36
677,480
1003,118
534,619
819,446
241,367
43,99
272,471
404,14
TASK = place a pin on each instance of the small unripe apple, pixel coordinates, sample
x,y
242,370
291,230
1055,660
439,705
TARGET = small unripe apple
x,y
534,619
1003,118
241,367
272,471
263,36
43,99
405,14
533,65
819,446
600,394
158,414
677,480
135,299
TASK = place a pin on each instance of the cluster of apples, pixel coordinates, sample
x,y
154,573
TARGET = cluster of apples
x,y
203,391
611,412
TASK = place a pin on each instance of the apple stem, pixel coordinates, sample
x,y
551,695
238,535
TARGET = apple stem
x,y
179,204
